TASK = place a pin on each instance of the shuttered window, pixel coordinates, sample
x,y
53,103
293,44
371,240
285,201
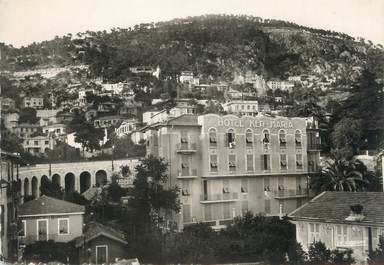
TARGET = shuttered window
x,y
250,162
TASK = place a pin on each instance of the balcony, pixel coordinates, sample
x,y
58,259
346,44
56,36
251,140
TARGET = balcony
x,y
290,194
186,148
219,197
187,173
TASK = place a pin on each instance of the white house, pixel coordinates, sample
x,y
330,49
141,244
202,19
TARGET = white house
x,y
126,127
352,220
242,107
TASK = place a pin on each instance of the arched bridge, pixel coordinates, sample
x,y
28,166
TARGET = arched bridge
x,y
74,176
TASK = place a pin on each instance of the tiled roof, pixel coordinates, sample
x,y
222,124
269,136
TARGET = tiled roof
x,y
335,206
95,229
47,205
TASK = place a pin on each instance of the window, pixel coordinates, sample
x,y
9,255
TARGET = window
x,y
231,138
232,162
299,161
298,139
42,230
341,234
265,136
249,138
267,206
63,226
36,142
226,211
184,165
244,185
23,231
283,162
187,213
314,232
244,207
311,166
266,162
208,212
213,163
225,186
249,162
212,137
185,188
46,142
282,139
101,254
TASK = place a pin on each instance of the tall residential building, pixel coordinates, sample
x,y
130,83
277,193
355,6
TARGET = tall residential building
x,y
9,200
226,165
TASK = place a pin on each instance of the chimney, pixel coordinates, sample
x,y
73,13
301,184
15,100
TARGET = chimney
x,y
356,213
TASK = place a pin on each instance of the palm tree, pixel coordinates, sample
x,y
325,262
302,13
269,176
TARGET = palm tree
x,y
344,175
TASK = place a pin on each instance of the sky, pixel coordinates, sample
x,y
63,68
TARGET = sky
x,y
25,21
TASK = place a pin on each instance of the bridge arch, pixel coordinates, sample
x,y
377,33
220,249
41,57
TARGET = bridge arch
x,y
26,187
69,185
44,183
101,178
85,181
56,179
35,187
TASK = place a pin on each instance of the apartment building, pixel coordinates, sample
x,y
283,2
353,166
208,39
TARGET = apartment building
x,y
226,165
9,198
38,144
26,130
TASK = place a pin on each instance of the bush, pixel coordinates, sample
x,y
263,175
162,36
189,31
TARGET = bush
x,y
48,251
318,254
342,257
377,256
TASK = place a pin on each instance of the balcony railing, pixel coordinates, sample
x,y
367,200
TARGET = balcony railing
x,y
290,193
219,197
186,147
187,172
314,146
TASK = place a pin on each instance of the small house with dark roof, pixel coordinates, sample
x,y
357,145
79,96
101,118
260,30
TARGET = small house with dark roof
x,y
101,244
49,218
342,220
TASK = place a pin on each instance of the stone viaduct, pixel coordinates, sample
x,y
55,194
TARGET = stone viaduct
x,y
74,176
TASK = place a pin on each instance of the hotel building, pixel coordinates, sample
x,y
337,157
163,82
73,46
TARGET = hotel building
x,y
226,165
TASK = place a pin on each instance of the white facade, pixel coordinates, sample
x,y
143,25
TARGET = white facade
x,y
126,128
115,88
242,107
56,129
186,77
33,102
281,85
38,144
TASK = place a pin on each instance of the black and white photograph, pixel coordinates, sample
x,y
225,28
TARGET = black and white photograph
x,y
225,132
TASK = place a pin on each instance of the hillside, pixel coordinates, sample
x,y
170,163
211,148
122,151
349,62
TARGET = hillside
x,y
213,46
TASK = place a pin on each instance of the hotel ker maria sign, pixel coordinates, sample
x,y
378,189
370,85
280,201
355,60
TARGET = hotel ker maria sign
x,y
257,123
253,123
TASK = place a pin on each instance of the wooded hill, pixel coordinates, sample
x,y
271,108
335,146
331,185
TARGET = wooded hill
x,y
213,46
